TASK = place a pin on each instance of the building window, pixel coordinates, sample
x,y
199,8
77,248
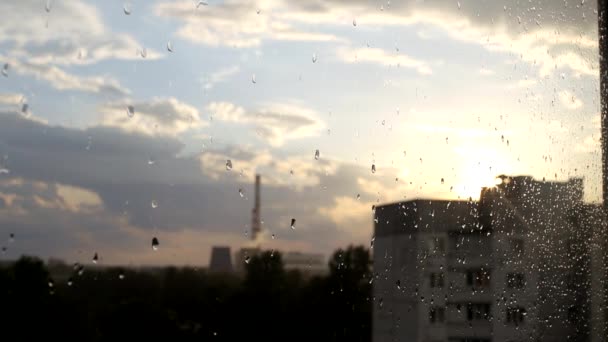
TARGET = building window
x,y
516,246
437,280
437,314
515,315
478,278
516,280
436,246
478,311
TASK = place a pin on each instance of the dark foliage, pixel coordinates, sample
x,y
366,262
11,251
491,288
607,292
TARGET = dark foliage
x,y
186,304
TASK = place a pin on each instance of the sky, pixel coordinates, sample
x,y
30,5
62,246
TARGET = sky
x,y
117,118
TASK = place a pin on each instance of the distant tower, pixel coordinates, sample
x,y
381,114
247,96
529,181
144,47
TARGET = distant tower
x,y
256,225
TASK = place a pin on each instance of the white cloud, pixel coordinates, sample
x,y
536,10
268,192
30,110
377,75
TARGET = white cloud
x,y
379,56
12,99
293,171
570,100
72,30
486,72
275,123
220,76
236,24
62,80
165,116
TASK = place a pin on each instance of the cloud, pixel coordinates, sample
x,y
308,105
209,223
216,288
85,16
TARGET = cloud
x,y
71,33
275,123
569,100
296,172
486,72
62,80
562,35
167,116
351,215
379,56
12,99
236,24
220,76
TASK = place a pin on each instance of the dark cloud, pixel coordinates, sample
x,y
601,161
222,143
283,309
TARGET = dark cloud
x,y
64,194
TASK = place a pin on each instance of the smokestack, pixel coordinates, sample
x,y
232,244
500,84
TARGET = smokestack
x,y
256,225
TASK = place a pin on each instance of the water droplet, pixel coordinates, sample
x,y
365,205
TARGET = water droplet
x,y
143,52
95,258
317,155
155,243
253,79
11,238
373,209
371,244
130,111
358,197
5,70
24,108
293,223
169,47
398,284
241,193
247,259
48,6
258,11
458,3
354,22
127,8
273,237
121,276
371,280
51,283
228,165
70,282
202,2
314,58
442,181
151,161
3,249
373,168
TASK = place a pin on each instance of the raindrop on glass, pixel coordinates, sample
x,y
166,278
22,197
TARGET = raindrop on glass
x,y
24,108
95,258
253,79
154,204
358,197
48,6
169,47
11,238
398,284
3,249
273,237
241,193
373,168
51,284
247,259
258,11
5,70
70,282
202,2
130,111
354,22
314,58
155,243
373,209
151,161
143,52
121,276
293,223
317,155
228,165
127,8
442,181
458,3
371,244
